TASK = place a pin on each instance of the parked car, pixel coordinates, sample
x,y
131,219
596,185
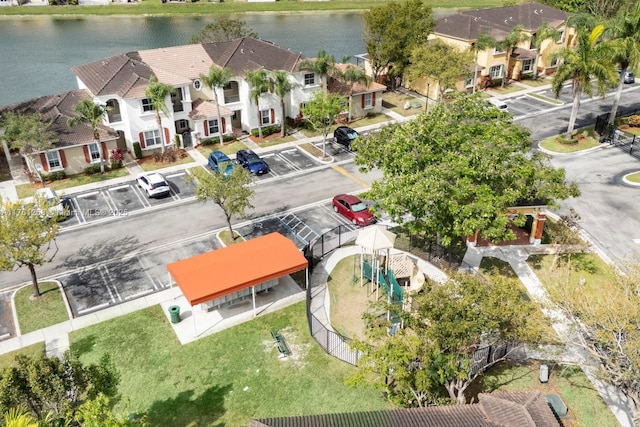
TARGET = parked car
x,y
629,77
153,184
499,104
354,209
344,135
251,161
62,209
216,159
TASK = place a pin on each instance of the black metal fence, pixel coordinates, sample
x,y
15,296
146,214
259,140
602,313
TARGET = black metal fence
x,y
610,134
338,345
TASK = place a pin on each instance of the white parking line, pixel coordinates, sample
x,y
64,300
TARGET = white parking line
x,y
78,211
119,188
92,193
284,159
175,175
107,281
153,282
94,308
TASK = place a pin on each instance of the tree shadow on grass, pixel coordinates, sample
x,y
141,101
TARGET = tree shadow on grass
x,y
184,409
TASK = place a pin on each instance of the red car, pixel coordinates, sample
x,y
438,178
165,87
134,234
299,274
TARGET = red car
x,y
353,209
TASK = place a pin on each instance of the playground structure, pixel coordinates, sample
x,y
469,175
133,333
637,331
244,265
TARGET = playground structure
x,y
386,270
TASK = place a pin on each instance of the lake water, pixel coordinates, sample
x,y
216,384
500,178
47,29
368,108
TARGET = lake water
x,y
36,54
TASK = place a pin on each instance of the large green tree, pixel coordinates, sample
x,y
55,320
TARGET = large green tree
x,y
29,134
457,170
231,193
217,78
441,63
27,235
157,93
588,64
392,31
222,29
321,111
433,355
258,82
53,388
91,113
624,35
281,85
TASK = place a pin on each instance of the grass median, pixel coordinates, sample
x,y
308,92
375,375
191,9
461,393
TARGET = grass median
x,y
37,313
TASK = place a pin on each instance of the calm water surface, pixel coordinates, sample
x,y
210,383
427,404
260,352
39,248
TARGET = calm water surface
x,y
36,54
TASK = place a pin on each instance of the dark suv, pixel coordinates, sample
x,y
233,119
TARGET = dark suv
x,y
344,135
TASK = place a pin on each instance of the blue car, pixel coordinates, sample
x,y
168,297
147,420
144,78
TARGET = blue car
x,y
216,159
251,161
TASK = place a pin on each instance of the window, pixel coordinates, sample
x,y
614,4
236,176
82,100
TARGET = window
x,y
53,158
309,79
532,41
182,125
497,51
213,127
468,82
152,137
495,71
554,62
527,65
227,86
146,105
266,117
94,153
560,38
368,100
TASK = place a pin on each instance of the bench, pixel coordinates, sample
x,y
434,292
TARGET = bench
x,y
280,343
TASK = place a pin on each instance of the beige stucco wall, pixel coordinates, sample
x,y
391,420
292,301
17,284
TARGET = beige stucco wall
x,y
358,111
75,159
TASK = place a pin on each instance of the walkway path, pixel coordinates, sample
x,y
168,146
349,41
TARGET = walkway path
x,y
517,256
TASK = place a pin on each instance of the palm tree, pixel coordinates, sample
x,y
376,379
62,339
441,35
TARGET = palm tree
x,y
258,84
217,78
624,33
510,42
90,113
19,417
351,76
281,86
484,41
323,65
589,60
544,32
157,92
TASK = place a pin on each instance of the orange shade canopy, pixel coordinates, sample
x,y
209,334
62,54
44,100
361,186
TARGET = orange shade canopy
x,y
220,272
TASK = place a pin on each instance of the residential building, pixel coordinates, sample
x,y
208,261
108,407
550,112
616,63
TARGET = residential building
x,y
75,148
361,98
463,29
120,82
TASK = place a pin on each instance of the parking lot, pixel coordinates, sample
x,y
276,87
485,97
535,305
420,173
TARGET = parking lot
x,y
122,200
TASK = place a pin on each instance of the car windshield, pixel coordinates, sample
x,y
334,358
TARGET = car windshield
x,y
352,134
253,159
358,207
158,184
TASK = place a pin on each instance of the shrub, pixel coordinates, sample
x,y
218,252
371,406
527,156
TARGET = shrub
x,y
634,121
92,170
209,141
229,137
116,157
266,130
54,176
177,140
137,151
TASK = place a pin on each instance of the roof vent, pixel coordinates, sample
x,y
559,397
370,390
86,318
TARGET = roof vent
x,y
241,50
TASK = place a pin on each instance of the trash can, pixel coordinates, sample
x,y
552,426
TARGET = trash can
x,y
174,312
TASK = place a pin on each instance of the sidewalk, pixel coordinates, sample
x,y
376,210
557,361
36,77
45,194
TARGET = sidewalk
x,y
517,256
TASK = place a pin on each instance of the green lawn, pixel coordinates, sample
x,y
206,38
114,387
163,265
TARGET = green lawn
x,y
558,144
9,359
540,81
226,378
156,7
228,148
395,101
151,165
28,190
634,177
505,90
45,311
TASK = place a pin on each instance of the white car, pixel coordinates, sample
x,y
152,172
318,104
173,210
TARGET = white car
x,y
153,184
500,105
61,210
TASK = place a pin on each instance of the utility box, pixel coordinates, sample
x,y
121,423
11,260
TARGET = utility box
x,y
544,373
557,405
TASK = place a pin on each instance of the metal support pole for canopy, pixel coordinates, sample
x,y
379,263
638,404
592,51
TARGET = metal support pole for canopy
x,y
253,296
